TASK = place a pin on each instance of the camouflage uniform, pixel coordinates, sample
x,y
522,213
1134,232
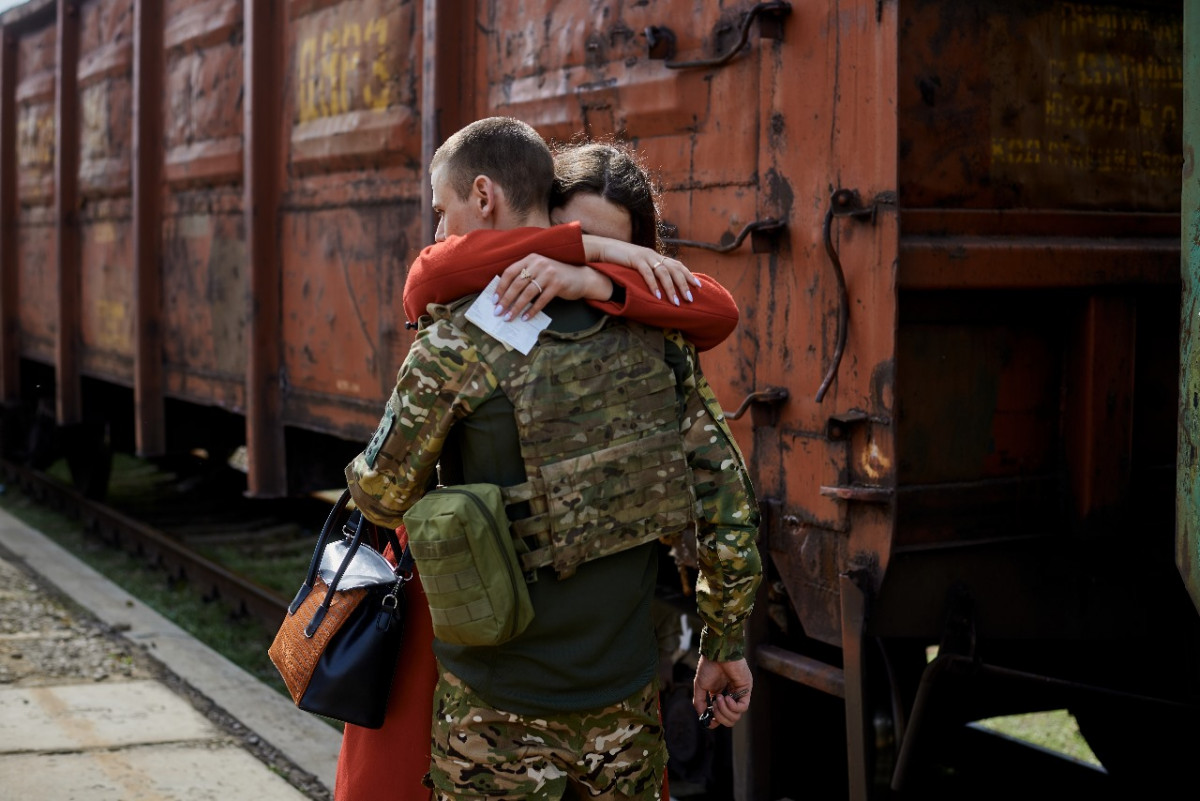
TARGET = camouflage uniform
x,y
614,753
446,378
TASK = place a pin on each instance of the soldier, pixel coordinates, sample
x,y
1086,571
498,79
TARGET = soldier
x,y
570,701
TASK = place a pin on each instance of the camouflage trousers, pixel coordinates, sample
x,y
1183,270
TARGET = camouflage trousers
x,y
614,753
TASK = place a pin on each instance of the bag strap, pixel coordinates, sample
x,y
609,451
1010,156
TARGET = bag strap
x,y
331,522
355,543
363,527
404,557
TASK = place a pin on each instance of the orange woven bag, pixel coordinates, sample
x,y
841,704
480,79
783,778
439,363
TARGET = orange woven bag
x,y
294,654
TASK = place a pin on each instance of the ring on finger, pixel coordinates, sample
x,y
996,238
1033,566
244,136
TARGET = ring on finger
x,y
528,276
534,281
658,264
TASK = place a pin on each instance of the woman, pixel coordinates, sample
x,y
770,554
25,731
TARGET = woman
x,y
604,208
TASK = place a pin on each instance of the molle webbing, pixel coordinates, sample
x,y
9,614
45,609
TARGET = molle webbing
x,y
598,421
447,583
477,609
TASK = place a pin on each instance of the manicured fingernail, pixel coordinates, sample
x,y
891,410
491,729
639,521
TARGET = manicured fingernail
x,y
525,316
495,298
509,317
499,310
676,299
688,295
658,294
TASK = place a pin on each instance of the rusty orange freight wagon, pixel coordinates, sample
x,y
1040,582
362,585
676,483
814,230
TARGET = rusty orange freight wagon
x,y
953,230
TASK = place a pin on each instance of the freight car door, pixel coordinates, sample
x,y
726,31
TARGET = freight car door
x,y
772,129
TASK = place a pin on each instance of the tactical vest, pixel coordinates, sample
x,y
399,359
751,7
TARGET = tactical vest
x,y
598,421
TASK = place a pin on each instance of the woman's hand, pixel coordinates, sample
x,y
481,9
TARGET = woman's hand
x,y
536,280
661,273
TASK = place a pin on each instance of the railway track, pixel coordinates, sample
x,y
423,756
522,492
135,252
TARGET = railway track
x,y
179,523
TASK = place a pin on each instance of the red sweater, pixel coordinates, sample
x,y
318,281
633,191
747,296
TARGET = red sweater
x,y
461,265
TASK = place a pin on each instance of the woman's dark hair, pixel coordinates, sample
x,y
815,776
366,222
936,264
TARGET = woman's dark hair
x,y
615,173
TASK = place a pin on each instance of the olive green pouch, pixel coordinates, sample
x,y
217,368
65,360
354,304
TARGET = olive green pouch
x,y
467,560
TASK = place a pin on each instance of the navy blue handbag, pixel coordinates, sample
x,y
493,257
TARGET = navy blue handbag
x,y
338,645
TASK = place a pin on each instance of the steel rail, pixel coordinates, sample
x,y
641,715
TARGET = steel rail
x,y
214,581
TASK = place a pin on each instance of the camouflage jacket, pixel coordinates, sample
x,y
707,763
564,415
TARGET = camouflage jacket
x,y
444,379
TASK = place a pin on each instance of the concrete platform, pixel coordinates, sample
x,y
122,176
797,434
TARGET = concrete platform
x,y
84,725
177,771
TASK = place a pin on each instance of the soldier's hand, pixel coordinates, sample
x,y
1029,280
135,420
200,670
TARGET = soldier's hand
x,y
721,692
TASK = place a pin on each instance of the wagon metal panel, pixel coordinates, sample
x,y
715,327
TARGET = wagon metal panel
x,y
342,322
36,68
836,519
204,278
1040,105
107,310
205,303
36,251
9,351
349,210
203,118
105,97
105,87
1187,488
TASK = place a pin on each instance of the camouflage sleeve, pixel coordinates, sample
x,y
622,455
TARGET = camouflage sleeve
x,y
441,381
730,569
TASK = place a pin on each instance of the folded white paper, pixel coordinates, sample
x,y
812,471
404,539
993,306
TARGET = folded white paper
x,y
515,333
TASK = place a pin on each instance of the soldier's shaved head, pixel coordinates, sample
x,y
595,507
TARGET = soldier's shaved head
x,y
508,151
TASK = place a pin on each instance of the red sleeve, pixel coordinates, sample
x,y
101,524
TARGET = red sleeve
x,y
705,322
448,270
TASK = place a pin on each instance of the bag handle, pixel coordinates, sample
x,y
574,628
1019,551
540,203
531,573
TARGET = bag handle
x,y
319,612
331,523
